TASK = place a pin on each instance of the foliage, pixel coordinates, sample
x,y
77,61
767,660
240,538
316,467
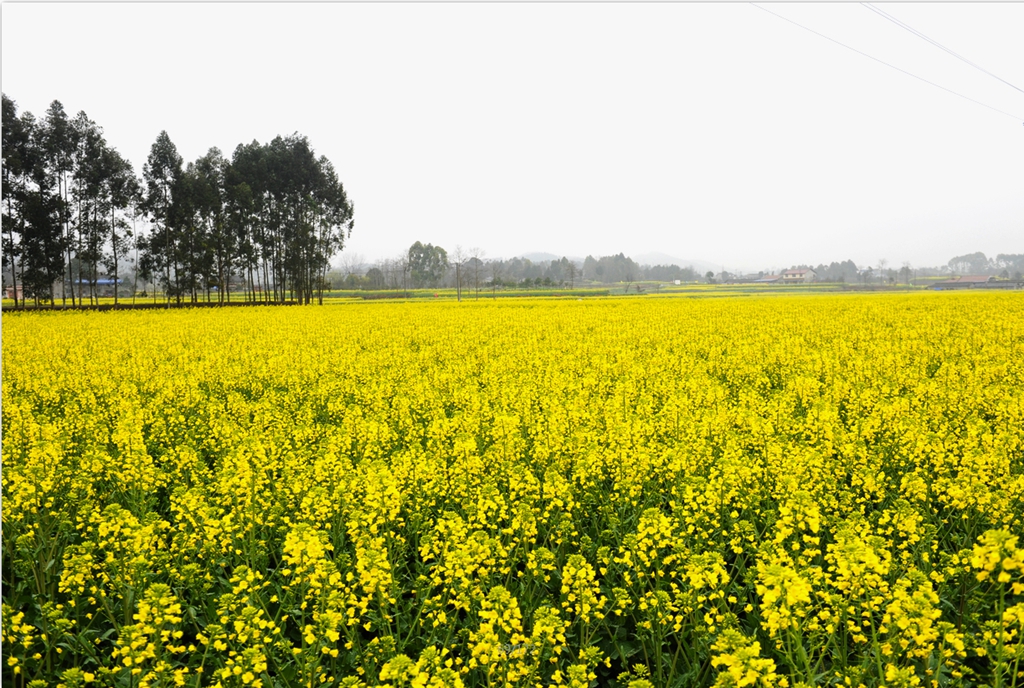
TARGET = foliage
x,y
427,263
1007,265
610,269
268,221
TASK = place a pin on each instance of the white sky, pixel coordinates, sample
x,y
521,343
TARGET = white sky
x,y
704,131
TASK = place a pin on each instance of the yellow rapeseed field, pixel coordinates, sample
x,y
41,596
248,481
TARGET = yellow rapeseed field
x,y
756,491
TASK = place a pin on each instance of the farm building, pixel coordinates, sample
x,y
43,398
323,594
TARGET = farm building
x,y
977,282
104,286
742,279
795,276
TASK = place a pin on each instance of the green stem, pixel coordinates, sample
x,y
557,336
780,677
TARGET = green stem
x,y
877,652
999,647
202,663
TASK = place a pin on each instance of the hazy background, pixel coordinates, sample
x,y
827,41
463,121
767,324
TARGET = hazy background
x,y
713,132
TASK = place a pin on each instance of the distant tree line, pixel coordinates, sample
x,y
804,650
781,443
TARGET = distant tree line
x,y
1007,265
265,223
425,265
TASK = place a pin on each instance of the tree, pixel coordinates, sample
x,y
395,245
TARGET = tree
x,y
276,213
58,143
970,264
162,174
570,270
93,166
905,272
124,192
427,264
459,257
628,278
300,215
611,269
211,241
837,272
42,232
401,269
247,182
350,264
1012,263
375,276
476,256
16,158
495,277
334,221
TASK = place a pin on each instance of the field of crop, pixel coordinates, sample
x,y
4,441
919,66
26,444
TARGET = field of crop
x,y
767,491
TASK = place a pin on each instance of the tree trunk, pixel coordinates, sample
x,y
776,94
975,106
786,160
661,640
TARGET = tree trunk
x,y
67,243
113,245
14,266
167,265
135,280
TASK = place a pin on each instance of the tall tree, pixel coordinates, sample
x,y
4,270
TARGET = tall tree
x,y
58,140
247,180
458,258
88,205
570,269
218,241
970,264
42,234
163,178
276,214
476,263
335,219
16,139
427,264
1013,263
121,192
302,214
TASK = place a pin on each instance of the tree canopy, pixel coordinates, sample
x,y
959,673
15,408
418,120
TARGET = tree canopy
x,y
266,222
428,264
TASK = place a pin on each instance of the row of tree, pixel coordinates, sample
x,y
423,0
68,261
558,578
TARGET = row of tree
x,y
430,266
1005,264
266,222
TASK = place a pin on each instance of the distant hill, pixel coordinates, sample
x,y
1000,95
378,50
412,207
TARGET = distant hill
x,y
655,258
540,257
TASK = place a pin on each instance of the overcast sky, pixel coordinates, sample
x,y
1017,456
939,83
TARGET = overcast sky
x,y
706,131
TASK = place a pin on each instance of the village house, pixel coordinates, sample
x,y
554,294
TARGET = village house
x,y
797,276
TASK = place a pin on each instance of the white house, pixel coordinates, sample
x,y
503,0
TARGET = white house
x,y
793,276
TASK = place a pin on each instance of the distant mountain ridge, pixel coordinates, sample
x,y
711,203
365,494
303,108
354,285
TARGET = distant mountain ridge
x,y
656,258
539,257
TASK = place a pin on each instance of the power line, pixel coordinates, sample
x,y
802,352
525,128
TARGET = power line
x,y
914,31
859,52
